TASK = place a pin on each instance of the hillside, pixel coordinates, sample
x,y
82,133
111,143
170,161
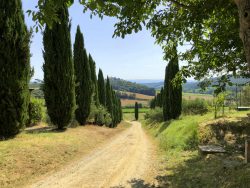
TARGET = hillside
x,y
123,85
193,86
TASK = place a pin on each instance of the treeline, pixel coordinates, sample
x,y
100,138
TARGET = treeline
x,y
123,85
71,89
124,95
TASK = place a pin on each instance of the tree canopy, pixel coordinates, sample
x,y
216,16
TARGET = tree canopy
x,y
208,31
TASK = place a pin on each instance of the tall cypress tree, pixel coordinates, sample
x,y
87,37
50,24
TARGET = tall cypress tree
x,y
14,68
109,99
120,110
94,80
167,108
136,111
83,79
101,88
172,93
177,88
59,80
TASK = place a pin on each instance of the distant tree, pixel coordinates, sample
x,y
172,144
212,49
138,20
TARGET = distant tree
x,y
120,110
94,80
101,88
83,79
14,68
159,98
115,110
109,99
152,103
136,111
59,80
172,98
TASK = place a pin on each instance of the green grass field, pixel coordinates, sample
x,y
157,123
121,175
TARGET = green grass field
x,y
185,167
131,110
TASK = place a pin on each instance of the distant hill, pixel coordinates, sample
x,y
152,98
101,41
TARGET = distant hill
x,y
124,85
193,86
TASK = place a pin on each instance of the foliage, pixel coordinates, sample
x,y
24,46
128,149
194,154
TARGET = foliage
x,y
158,100
84,84
136,111
36,111
94,79
15,69
99,115
109,102
246,96
219,101
194,107
59,86
124,95
101,88
123,85
154,115
172,92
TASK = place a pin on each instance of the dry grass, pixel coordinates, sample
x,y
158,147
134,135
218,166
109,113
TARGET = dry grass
x,y
139,96
193,96
128,102
41,150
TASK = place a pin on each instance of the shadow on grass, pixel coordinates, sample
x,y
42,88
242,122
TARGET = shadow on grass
x,y
44,130
199,171
163,127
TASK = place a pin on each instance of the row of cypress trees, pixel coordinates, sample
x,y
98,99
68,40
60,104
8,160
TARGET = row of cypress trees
x,y
70,84
170,97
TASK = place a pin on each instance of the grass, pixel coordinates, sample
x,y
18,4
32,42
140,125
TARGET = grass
x,y
185,167
131,116
131,110
41,150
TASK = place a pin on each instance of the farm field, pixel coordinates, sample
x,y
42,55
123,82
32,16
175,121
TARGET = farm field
x,y
140,98
128,102
192,96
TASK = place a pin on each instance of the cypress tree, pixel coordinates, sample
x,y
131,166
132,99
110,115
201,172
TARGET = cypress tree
x,y
120,110
177,89
101,88
83,79
136,111
14,68
94,80
172,93
59,80
109,101
115,108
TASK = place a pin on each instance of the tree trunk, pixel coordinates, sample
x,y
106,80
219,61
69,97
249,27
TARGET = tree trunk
x,y
244,16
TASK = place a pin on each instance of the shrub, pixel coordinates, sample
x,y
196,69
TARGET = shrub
x,y
193,107
154,115
36,111
99,116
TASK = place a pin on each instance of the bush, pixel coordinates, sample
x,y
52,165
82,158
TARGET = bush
x,y
193,107
154,115
36,111
99,116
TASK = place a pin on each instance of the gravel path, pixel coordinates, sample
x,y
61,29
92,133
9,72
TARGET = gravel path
x,y
127,158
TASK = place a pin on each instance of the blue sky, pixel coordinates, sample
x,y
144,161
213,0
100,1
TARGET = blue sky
x,y
135,57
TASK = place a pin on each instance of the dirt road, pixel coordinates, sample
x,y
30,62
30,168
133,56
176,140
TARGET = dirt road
x,y
125,161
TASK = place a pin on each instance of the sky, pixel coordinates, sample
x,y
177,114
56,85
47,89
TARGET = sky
x,y
134,58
